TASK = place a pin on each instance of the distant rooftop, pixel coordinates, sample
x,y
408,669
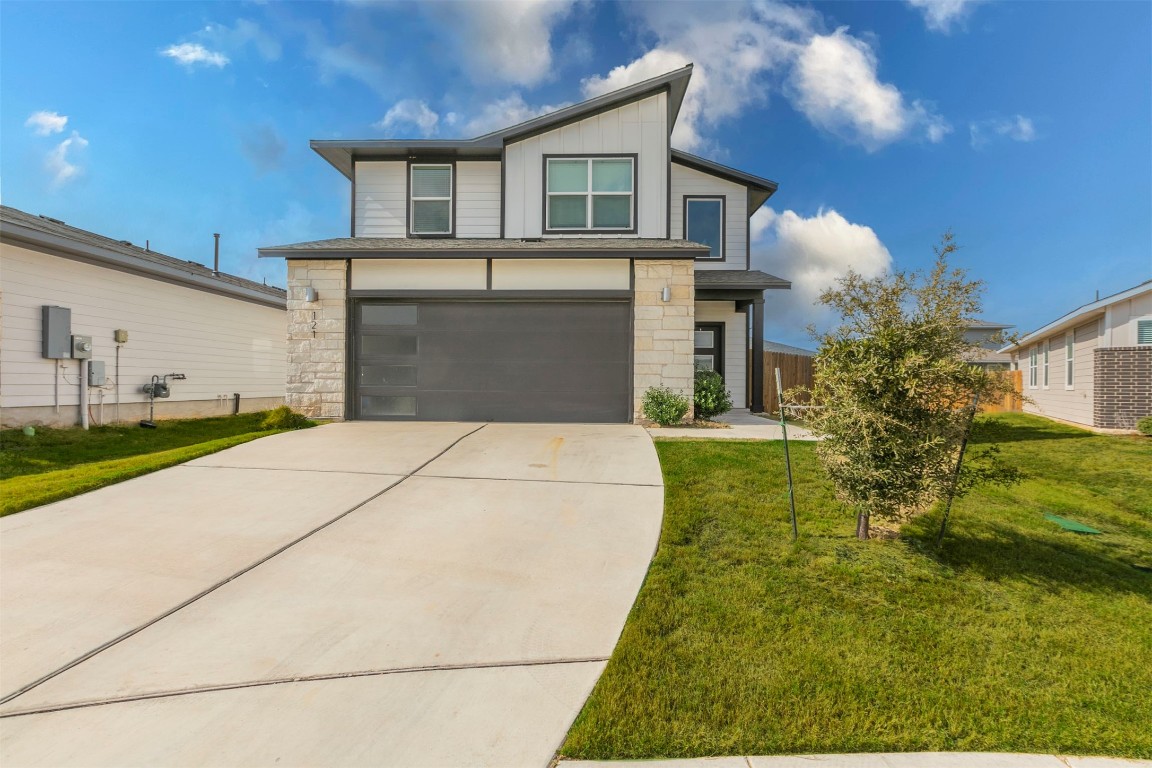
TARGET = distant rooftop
x,y
54,236
787,349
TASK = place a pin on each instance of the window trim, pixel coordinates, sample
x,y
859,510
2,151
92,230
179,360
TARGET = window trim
x,y
1139,322
409,208
723,226
1070,360
635,194
1033,358
1047,355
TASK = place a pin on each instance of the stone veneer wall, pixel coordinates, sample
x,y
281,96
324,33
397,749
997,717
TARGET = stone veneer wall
x,y
663,340
1123,386
316,338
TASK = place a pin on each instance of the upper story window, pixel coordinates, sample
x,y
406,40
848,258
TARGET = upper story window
x,y
704,223
1144,331
587,194
431,203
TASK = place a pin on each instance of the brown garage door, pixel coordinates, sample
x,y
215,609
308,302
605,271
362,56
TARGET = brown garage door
x,y
562,361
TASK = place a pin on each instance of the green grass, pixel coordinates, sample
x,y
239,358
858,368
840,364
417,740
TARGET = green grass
x,y
1016,637
56,464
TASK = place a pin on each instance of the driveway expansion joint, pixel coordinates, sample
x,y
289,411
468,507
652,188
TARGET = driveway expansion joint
x,y
63,706
542,480
209,590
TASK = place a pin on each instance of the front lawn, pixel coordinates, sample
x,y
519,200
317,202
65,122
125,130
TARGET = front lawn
x,y
56,464
1017,636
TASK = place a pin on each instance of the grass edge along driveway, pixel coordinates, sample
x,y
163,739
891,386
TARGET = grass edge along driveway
x,y
1016,637
57,464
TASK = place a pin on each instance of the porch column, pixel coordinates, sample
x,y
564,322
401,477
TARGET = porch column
x,y
757,356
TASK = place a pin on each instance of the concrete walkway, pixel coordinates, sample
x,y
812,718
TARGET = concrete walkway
x,y
889,760
354,594
743,425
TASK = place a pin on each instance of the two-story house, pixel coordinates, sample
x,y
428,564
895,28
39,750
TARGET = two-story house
x,y
551,271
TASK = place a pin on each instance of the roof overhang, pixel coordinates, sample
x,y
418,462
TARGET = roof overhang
x,y
759,188
343,154
58,245
1080,315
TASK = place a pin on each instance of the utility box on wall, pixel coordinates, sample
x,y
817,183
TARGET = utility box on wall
x,y
96,377
81,347
56,332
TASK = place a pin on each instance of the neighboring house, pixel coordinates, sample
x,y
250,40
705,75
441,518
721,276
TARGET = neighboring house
x,y
551,271
986,340
1093,366
787,349
146,314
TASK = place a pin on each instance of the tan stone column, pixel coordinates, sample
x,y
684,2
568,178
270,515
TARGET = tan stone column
x,y
663,330
316,337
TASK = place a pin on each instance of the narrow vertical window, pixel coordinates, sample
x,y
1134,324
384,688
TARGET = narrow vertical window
x,y
1046,365
1032,368
704,223
431,202
1069,360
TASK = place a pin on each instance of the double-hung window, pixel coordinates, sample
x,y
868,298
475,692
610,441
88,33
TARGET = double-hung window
x,y
704,223
590,193
1032,368
431,203
1046,345
1069,359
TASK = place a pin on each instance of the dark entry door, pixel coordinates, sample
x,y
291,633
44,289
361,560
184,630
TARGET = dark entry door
x,y
561,361
708,346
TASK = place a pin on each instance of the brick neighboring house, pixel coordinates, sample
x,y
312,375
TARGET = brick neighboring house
x,y
1093,366
550,271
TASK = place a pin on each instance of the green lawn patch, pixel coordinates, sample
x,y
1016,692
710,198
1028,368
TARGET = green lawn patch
x,y
1018,636
56,464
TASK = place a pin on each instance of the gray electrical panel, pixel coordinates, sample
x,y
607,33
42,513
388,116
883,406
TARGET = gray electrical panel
x,y
56,327
96,376
82,347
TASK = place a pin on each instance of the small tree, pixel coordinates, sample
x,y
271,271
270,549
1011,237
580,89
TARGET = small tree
x,y
898,391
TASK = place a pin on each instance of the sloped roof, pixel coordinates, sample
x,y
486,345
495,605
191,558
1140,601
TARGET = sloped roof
x,y
739,279
340,153
1080,314
759,188
787,349
54,236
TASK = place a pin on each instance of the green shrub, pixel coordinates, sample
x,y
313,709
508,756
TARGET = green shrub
x,y
1145,426
285,418
664,406
710,398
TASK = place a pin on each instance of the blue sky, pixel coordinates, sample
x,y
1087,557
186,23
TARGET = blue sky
x,y
1026,127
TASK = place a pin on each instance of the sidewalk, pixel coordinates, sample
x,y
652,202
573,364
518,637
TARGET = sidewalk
x,y
890,760
743,426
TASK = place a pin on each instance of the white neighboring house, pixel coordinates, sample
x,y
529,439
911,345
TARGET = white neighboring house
x,y
549,271
983,337
225,333
1093,366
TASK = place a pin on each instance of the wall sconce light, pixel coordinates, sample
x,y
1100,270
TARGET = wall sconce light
x,y
667,295
310,294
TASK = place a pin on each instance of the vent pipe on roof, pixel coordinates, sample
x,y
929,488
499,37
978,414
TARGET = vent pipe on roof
x,y
216,258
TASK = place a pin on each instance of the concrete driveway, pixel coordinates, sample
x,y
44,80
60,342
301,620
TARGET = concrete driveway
x,y
354,594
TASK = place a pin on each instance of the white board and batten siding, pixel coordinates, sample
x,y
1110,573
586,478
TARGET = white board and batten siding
x,y
639,128
735,345
687,182
1056,400
223,345
381,198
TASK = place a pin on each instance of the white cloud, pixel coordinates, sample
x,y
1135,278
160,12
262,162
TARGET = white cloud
x,y
46,123
242,34
742,53
502,41
940,15
193,54
59,160
1016,128
837,89
504,113
812,252
409,112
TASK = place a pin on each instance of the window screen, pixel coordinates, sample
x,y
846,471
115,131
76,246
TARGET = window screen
x,y
1144,331
704,224
431,200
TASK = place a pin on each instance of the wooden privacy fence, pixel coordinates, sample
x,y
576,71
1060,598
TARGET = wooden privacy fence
x,y
796,371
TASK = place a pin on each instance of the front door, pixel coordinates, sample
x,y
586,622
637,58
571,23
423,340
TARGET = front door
x,y
708,352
